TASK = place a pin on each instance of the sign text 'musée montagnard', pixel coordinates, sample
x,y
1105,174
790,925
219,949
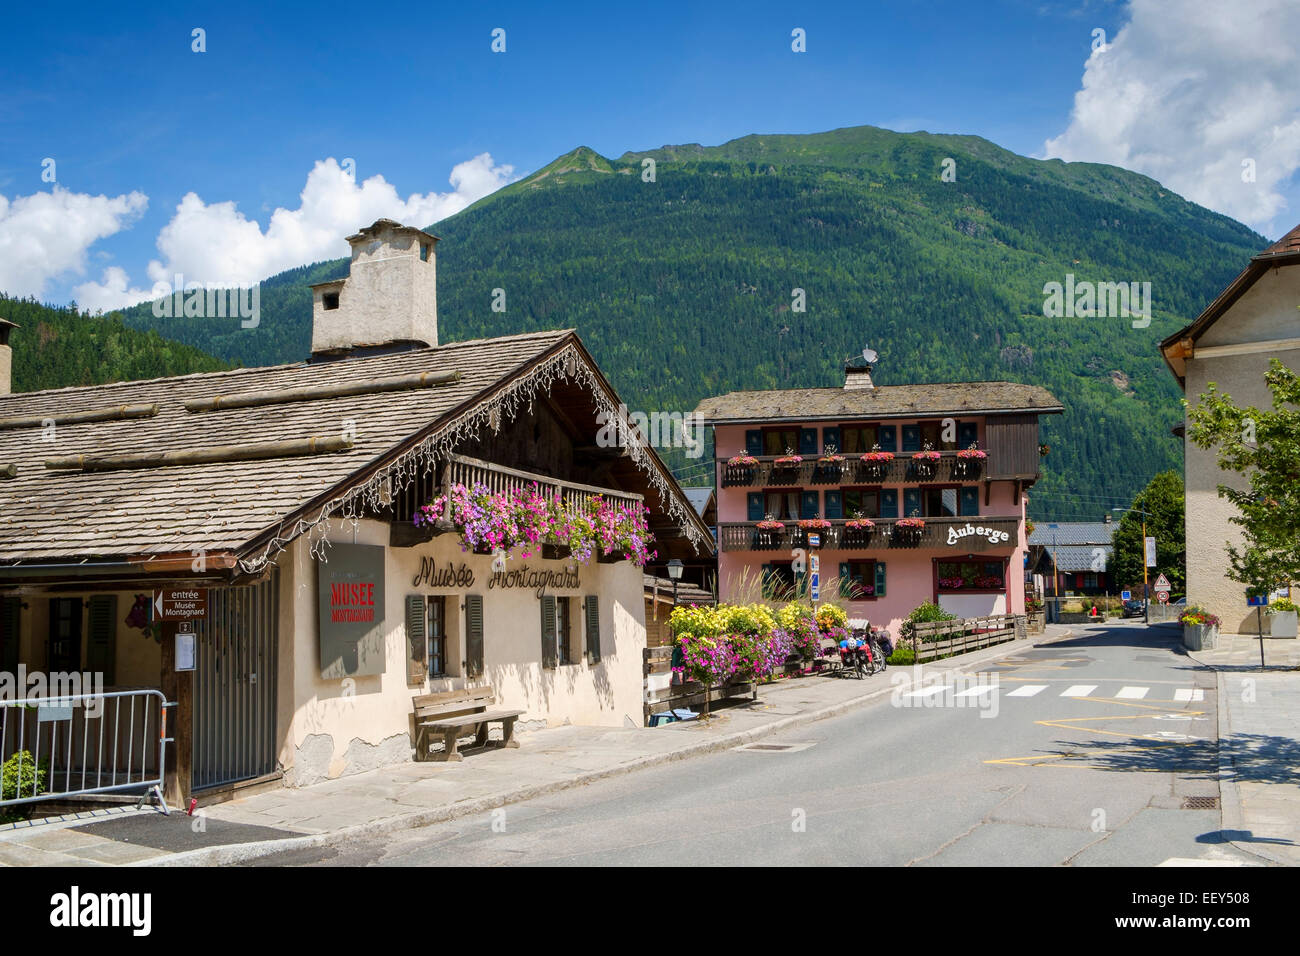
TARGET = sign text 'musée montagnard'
x,y
526,577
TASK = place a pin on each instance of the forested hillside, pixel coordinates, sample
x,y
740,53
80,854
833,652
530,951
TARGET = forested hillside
x,y
683,287
55,348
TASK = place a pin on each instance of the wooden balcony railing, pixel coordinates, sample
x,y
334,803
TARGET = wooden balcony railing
x,y
959,535
853,471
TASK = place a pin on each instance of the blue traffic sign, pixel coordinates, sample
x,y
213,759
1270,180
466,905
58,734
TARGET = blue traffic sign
x,y
1126,595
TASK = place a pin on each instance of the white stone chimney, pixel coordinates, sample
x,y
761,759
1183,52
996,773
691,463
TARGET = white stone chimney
x,y
858,376
6,357
389,298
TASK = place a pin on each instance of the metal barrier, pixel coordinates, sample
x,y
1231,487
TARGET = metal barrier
x,y
83,744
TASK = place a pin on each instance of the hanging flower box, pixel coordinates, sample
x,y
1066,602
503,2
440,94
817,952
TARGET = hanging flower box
x,y
740,470
815,524
874,465
787,462
925,464
829,466
969,463
857,532
908,531
768,534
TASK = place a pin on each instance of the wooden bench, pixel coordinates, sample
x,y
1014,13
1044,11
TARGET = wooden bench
x,y
458,713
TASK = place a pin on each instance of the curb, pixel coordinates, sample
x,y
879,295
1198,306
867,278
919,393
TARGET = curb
x,y
1231,816
240,852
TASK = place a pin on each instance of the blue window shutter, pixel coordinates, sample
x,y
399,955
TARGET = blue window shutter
x,y
808,504
846,586
833,507
967,434
754,505
754,441
889,503
911,438
970,501
831,436
880,579
888,438
911,501
807,441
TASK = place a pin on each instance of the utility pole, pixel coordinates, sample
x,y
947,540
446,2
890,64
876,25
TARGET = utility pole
x,y
1146,588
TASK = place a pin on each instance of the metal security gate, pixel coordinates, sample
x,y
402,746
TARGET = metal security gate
x,y
234,685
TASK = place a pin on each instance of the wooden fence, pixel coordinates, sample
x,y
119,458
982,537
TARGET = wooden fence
x,y
662,694
934,639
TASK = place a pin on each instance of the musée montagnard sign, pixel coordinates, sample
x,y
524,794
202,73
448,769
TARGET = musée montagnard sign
x,y
992,535
461,576
350,589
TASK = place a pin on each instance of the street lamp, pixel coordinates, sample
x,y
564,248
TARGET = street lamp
x,y
1146,590
675,572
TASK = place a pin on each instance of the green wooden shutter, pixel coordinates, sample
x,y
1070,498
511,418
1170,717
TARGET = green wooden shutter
x,y
593,629
754,505
888,438
808,504
911,438
880,579
967,434
831,436
889,503
970,502
10,631
834,509
101,639
473,635
807,441
548,631
912,503
754,441
846,585
416,638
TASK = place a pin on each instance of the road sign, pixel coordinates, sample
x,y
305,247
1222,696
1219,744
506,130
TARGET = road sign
x,y
1151,552
1126,595
814,541
180,604
816,586
1256,600
1162,597
1162,584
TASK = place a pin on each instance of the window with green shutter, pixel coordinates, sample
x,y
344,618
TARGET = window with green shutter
x,y
754,505
880,579
967,434
911,438
415,638
912,505
834,507
889,503
101,636
808,504
754,441
473,635
549,643
807,441
970,502
888,438
593,628
831,436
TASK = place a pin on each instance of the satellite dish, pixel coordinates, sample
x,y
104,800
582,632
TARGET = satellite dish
x,y
870,355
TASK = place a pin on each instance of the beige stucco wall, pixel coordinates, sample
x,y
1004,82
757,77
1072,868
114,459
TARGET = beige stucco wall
x,y
1266,313
330,728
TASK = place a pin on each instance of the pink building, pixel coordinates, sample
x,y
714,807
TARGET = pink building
x,y
978,449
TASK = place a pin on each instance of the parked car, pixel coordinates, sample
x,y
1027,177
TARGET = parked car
x,y
1135,608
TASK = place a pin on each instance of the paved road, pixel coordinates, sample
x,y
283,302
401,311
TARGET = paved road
x,y
1092,751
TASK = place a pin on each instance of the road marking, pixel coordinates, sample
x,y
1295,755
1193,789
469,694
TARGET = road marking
x,y
927,692
1187,694
1029,690
1132,693
1079,690
982,689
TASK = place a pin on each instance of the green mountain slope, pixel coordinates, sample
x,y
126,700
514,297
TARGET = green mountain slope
x,y
683,287
56,348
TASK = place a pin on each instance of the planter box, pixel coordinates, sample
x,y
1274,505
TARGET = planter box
x,y
873,472
1200,637
1284,624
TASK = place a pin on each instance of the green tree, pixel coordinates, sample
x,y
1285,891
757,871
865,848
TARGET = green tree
x,y
1265,447
1162,499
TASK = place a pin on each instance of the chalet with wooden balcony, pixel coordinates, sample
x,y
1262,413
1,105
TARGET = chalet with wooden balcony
x,y
915,492
287,497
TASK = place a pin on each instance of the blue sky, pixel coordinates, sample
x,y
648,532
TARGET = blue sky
x,y
128,112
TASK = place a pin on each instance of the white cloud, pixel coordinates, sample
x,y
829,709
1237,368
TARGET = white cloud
x,y
45,235
1185,92
216,243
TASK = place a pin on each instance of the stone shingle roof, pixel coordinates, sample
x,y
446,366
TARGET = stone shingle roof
x,y
883,401
1074,532
50,516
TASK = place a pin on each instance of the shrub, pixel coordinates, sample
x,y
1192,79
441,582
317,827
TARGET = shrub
x,y
797,620
1281,605
901,656
20,776
1197,615
929,611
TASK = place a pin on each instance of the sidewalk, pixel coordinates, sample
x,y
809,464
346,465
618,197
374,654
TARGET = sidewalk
x,y
418,794
1259,743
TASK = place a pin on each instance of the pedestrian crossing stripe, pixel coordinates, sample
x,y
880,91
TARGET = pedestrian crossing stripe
x,y
1079,690
1188,694
972,692
1132,693
1029,690
1182,695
